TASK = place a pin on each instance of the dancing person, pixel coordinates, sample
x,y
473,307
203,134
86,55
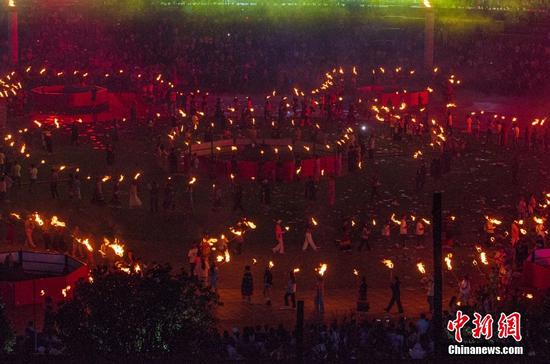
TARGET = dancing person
x,y
395,295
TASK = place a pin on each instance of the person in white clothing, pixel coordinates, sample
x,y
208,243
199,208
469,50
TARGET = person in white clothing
x,y
308,241
280,247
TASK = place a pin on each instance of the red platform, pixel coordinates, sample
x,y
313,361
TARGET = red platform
x,y
536,270
35,276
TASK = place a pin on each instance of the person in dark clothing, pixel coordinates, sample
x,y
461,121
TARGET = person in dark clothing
x,y
154,196
238,197
173,161
266,192
247,285
268,284
362,304
110,157
74,134
54,177
291,290
395,295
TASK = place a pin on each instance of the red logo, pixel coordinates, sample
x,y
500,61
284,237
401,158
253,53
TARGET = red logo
x,y
507,326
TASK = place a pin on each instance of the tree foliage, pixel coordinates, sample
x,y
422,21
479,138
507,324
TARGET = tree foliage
x,y
7,337
156,314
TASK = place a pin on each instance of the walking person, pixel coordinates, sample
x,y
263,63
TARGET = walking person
x,y
54,178
247,285
308,240
29,227
280,247
134,200
291,290
395,295
192,256
268,285
33,176
154,197
365,237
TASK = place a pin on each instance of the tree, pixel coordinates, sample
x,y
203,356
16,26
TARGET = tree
x,y
157,314
7,338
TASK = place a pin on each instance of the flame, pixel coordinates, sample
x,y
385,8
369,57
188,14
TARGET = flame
x,y
121,178
38,219
250,224
474,262
193,180
492,220
17,216
296,270
65,290
235,232
355,272
219,258
137,176
118,248
538,220
254,261
427,222
42,292
227,256
56,123
448,261
483,258
523,231
299,170
394,220
388,263
529,296
271,264
421,267
314,222
38,123
417,154
23,147
86,243
105,179
56,222
322,269
234,148
137,268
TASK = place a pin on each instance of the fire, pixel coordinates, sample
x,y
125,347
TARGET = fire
x,y
137,268
38,123
42,292
254,261
193,180
234,148
121,178
38,219
299,170
56,123
483,258
56,222
394,220
421,267
314,222
219,258
235,232
271,264
250,224
388,263
538,220
448,261
427,222
523,231
118,248
287,228
86,243
322,269
106,178
17,216
23,148
529,296
492,220
227,256
417,154
296,270
65,290
373,222
137,176
355,272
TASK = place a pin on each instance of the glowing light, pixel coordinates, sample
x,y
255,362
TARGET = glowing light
x,y
448,261
421,267
56,222
271,264
296,270
483,258
193,180
388,263
322,269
